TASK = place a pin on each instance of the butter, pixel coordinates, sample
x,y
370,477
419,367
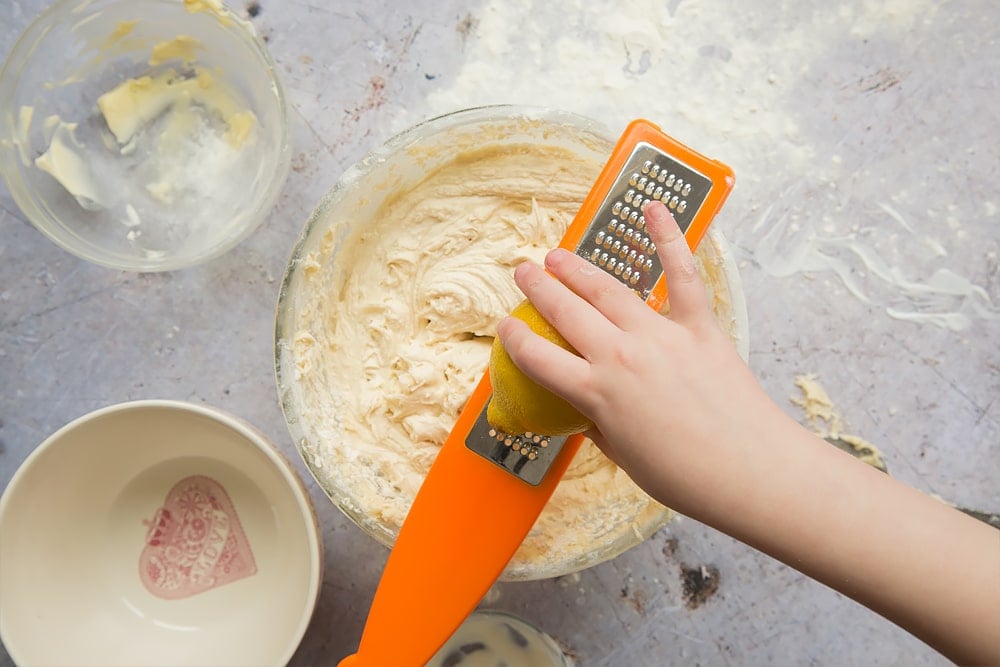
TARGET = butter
x,y
118,42
214,7
64,162
180,48
122,30
136,102
240,125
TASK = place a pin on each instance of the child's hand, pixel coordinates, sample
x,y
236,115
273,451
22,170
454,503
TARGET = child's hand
x,y
663,391
680,412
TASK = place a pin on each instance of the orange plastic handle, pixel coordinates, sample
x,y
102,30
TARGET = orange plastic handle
x,y
466,522
470,516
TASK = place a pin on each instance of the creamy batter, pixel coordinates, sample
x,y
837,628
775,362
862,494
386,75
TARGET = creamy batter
x,y
824,420
394,329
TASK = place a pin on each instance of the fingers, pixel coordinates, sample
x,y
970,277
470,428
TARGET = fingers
x,y
583,326
688,301
602,290
558,370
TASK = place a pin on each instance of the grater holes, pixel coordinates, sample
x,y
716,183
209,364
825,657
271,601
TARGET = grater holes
x,y
619,243
527,445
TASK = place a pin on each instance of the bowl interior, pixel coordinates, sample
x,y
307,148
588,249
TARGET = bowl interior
x,y
152,533
180,160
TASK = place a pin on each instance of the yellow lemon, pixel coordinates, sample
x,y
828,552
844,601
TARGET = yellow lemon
x,y
519,404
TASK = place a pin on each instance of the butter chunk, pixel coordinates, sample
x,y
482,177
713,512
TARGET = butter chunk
x,y
133,103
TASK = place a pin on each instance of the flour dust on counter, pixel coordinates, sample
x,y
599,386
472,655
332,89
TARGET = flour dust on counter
x,y
724,78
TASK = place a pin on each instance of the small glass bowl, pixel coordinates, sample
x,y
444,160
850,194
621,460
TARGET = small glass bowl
x,y
497,637
199,174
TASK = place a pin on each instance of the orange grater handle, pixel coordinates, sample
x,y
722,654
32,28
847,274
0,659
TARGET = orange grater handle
x,y
465,524
470,515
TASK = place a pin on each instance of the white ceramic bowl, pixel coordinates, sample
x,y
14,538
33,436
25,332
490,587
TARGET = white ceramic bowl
x,y
156,533
209,152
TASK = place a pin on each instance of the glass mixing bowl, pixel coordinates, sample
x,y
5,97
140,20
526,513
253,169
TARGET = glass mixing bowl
x,y
596,512
144,135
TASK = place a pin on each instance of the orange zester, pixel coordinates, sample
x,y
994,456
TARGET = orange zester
x,y
486,489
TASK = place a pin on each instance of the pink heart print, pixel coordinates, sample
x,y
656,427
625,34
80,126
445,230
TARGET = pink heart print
x,y
194,542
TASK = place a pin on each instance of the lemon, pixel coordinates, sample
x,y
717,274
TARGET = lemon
x,y
519,404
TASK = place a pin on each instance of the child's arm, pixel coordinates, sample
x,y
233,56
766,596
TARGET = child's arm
x,y
680,412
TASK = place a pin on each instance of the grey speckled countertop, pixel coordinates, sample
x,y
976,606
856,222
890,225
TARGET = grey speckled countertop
x,y
874,122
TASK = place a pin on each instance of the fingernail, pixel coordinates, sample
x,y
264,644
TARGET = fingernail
x,y
502,328
661,223
658,209
556,256
521,269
